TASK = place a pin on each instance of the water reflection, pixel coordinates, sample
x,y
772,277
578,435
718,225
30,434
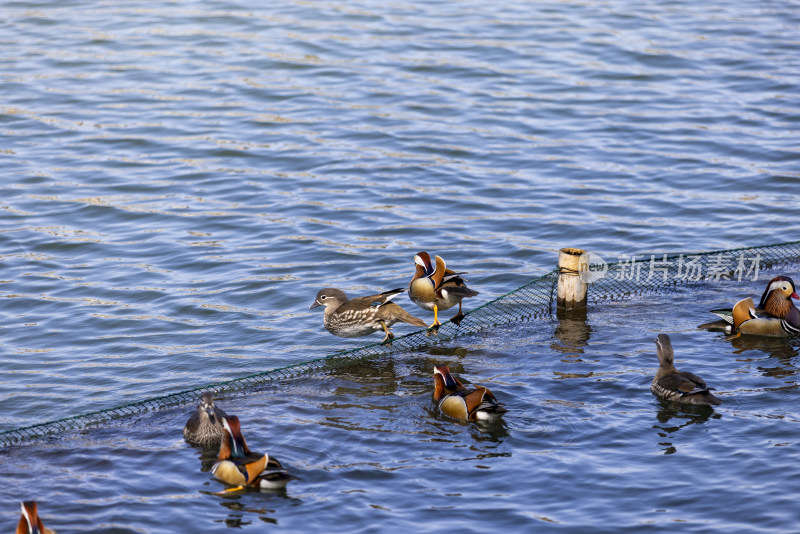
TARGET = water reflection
x,y
684,415
207,455
449,429
777,347
390,376
378,376
782,349
449,352
385,375
492,431
572,332
236,517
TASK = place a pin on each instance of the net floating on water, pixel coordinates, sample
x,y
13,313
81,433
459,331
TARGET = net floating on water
x,y
631,276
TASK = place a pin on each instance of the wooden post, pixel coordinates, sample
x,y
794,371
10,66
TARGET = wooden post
x,y
571,289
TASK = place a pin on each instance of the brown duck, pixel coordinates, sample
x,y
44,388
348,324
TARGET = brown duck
x,y
673,385
362,316
458,402
204,426
437,287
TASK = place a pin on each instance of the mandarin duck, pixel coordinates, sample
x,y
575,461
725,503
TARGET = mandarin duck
x,y
776,315
239,466
29,522
362,316
204,427
673,385
437,287
459,403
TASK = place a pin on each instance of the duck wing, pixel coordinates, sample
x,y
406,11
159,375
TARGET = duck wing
x,y
742,311
372,301
482,400
681,384
698,382
454,406
725,313
791,323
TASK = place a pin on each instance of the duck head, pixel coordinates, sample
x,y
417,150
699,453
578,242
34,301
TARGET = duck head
x,y
434,271
207,406
444,383
777,298
233,444
422,260
784,285
29,522
330,296
666,356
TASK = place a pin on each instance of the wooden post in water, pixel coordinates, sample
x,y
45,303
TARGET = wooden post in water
x,y
571,289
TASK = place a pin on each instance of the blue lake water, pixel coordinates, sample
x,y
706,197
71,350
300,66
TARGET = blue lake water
x,y
180,179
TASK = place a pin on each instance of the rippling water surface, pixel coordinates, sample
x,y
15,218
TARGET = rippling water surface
x,y
180,178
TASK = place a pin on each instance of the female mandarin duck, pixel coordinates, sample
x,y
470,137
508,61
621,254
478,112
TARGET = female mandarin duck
x,y
205,427
776,315
437,288
673,385
239,466
455,401
29,522
362,316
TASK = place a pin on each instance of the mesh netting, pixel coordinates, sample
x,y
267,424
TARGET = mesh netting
x,y
627,277
652,273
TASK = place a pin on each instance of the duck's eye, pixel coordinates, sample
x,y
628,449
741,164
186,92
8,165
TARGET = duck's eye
x,y
322,297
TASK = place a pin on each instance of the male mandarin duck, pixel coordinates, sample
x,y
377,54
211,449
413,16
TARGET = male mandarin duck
x,y
437,287
204,427
362,316
29,522
673,385
459,403
239,466
776,315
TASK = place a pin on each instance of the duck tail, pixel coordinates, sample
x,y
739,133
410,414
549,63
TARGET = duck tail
x,y
410,319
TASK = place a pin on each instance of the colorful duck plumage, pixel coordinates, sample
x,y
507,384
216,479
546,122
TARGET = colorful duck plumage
x,y
239,466
458,402
673,385
205,427
775,315
29,521
435,287
362,316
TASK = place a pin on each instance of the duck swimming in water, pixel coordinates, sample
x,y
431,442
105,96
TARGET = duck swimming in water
x,y
776,314
204,427
242,468
458,402
673,385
